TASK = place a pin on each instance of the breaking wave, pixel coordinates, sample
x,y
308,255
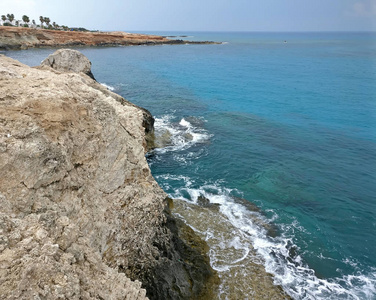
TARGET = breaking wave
x,y
109,87
177,135
254,237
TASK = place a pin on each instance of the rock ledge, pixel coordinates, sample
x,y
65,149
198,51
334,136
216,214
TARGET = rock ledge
x,y
81,216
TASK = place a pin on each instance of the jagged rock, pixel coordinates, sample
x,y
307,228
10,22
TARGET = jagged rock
x,y
81,216
205,202
68,60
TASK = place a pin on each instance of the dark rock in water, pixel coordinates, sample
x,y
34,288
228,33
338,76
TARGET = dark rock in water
x,y
248,204
272,229
205,202
68,60
183,271
187,136
148,124
163,139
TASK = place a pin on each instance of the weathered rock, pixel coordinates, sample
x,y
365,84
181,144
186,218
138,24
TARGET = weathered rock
x,y
205,202
81,216
68,60
172,277
23,38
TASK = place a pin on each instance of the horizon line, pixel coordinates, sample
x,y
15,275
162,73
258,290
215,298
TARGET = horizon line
x,y
252,31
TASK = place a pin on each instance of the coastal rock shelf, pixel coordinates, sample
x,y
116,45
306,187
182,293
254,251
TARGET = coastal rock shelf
x,y
81,216
23,38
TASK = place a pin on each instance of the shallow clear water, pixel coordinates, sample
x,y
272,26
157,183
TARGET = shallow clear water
x,y
284,120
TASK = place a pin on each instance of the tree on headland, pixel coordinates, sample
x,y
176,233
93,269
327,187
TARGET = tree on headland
x,y
47,21
10,17
9,20
26,19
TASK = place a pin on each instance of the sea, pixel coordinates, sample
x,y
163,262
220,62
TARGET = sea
x,y
277,131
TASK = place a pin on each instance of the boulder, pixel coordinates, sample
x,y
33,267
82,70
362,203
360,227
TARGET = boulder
x,y
68,60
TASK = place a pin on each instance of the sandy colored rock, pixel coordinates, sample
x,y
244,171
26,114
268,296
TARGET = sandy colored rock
x,y
69,60
81,216
23,38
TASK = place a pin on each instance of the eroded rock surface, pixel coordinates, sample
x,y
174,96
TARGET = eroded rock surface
x,y
81,216
69,60
23,38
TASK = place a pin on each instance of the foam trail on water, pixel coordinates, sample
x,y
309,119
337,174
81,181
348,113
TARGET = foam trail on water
x,y
177,136
277,254
109,87
249,239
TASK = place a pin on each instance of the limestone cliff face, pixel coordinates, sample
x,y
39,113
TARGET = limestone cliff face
x,y
23,38
80,212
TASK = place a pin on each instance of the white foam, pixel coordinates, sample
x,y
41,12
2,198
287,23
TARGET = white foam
x,y
184,123
290,272
295,276
109,87
183,134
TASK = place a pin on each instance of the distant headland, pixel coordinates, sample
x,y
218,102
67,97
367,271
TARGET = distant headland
x,y
12,37
24,34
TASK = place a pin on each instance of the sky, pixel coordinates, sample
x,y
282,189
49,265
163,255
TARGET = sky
x,y
201,15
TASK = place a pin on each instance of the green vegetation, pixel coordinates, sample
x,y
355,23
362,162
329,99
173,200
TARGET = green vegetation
x,y
10,17
25,19
41,19
9,20
78,29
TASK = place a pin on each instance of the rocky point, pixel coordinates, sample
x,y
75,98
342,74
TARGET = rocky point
x,y
81,216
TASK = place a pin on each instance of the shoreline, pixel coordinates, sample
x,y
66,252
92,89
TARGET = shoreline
x,y
20,38
81,214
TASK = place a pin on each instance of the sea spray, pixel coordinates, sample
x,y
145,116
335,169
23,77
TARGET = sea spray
x,y
291,129
246,247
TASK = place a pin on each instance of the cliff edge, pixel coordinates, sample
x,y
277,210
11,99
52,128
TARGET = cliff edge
x,y
23,38
81,216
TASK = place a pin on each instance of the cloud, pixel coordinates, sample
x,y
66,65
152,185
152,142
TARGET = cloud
x,y
364,8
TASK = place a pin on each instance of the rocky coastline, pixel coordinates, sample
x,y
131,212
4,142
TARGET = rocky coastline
x,y
81,216
12,38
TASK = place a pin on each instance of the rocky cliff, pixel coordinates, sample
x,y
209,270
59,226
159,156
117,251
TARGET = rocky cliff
x,y
81,216
23,38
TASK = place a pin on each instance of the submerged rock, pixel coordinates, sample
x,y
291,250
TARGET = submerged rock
x,y
81,216
205,202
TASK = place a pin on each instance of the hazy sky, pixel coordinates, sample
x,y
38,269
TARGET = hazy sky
x,y
202,15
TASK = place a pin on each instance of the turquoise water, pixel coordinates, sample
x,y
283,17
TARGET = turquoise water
x,y
284,120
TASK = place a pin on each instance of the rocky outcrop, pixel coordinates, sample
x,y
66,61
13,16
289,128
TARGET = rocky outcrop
x,y
81,216
23,38
68,60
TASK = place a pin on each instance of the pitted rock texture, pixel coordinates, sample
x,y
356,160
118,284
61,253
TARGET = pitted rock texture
x,y
69,60
80,212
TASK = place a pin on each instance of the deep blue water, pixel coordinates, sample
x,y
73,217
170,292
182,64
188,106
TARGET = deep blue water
x,y
284,120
